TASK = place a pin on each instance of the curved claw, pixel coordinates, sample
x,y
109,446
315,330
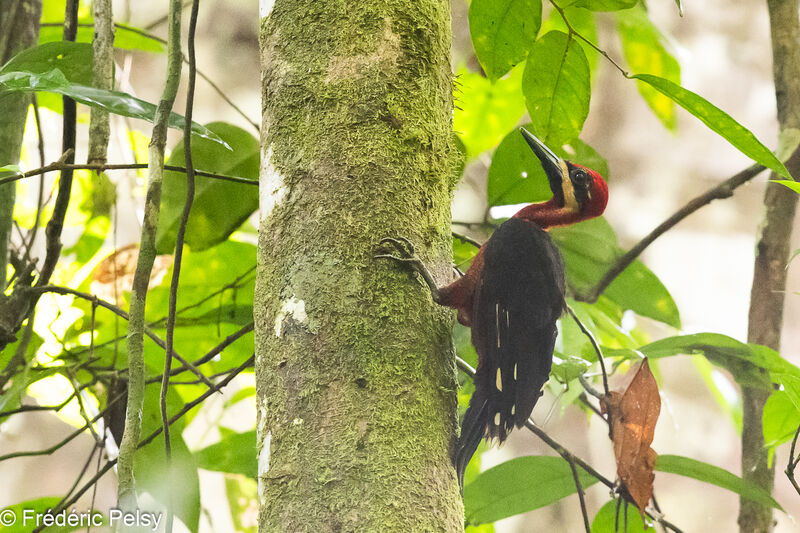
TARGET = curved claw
x,y
401,244
405,253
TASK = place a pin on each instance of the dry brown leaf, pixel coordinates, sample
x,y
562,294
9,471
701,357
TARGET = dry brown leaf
x,y
633,414
118,269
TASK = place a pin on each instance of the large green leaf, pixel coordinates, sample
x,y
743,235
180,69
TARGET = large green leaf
x,y
235,453
74,60
125,37
242,496
176,482
516,175
605,5
780,419
219,206
583,22
556,87
747,362
503,31
486,111
793,185
590,248
42,68
606,520
718,121
520,485
641,43
687,467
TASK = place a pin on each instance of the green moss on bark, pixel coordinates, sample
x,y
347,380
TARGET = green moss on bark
x,y
357,392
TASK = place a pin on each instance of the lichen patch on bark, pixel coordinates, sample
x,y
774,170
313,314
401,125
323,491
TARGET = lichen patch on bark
x,y
271,189
384,58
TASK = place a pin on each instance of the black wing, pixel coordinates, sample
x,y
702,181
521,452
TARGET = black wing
x,y
518,298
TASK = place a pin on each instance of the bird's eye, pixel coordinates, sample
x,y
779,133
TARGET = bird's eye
x,y
580,177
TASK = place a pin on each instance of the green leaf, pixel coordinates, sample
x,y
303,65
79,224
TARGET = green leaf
x,y
606,521
793,185
74,60
219,206
687,467
516,176
520,485
486,111
567,368
177,481
590,248
713,376
39,506
718,121
120,103
503,31
557,89
605,5
637,288
780,418
583,22
235,454
641,43
242,495
125,37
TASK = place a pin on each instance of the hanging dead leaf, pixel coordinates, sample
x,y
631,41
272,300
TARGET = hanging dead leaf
x,y
633,414
114,275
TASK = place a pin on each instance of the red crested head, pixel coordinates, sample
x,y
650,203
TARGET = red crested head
x,y
579,193
589,190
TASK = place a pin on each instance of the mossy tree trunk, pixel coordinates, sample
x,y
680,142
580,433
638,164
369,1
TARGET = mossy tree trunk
x,y
19,29
354,365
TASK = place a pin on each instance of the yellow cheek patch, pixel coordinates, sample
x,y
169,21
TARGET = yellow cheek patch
x,y
570,203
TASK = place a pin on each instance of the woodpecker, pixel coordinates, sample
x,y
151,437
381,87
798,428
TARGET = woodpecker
x,y
511,297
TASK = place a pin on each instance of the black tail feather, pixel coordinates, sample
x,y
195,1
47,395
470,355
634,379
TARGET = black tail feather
x,y
472,430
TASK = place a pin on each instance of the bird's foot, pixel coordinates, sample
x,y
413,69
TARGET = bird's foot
x,y
402,250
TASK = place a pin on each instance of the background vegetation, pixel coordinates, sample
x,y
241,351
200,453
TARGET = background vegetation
x,y
607,80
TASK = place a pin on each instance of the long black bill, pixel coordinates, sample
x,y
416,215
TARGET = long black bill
x,y
551,163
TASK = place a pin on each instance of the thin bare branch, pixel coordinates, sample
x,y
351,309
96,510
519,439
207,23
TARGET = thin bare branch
x,y
723,190
60,165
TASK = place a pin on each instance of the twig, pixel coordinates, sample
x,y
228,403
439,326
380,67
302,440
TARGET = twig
x,y
60,165
102,78
40,197
793,460
181,234
587,41
216,350
581,496
566,454
464,238
66,440
208,80
56,223
126,492
177,416
723,190
122,314
595,345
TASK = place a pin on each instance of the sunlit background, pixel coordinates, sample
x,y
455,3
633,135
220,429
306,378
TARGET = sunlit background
x,y
706,262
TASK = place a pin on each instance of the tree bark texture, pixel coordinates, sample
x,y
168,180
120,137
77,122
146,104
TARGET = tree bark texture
x,y
355,371
19,29
772,253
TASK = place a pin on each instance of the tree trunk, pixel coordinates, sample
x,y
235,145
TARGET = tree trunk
x,y
354,366
772,253
19,29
